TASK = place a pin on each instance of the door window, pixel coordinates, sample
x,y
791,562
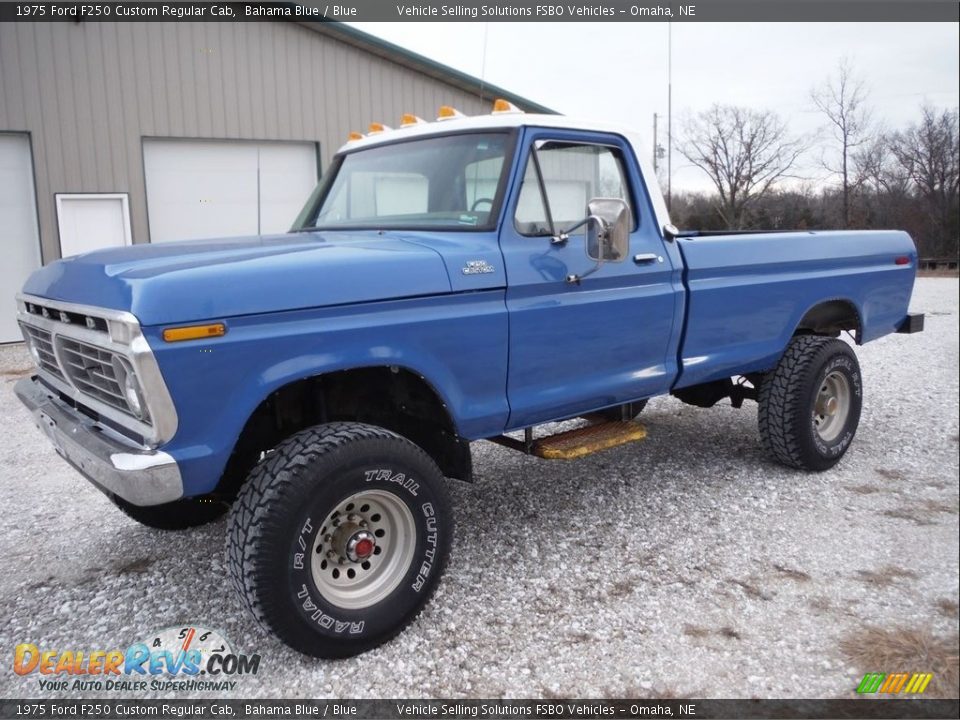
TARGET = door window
x,y
561,178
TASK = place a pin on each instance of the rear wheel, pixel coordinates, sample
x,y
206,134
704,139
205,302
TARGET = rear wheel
x,y
339,537
810,403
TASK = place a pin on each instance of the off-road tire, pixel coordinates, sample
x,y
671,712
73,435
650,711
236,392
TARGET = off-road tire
x,y
275,526
616,414
176,515
788,397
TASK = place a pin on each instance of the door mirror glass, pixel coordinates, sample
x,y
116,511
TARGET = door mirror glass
x,y
608,229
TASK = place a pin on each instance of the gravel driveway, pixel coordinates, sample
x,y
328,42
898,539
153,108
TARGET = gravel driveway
x,y
686,565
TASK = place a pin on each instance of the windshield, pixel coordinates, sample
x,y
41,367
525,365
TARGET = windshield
x,y
451,182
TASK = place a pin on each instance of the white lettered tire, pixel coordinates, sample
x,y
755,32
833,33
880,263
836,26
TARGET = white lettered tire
x,y
339,537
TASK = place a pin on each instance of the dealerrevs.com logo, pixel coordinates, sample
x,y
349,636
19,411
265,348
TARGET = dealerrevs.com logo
x,y
187,658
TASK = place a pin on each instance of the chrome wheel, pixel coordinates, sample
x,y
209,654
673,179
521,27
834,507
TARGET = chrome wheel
x,y
363,550
832,406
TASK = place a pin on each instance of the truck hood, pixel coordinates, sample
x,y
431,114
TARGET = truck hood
x,y
196,280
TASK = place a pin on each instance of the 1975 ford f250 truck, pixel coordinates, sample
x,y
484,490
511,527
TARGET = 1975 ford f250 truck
x,y
447,282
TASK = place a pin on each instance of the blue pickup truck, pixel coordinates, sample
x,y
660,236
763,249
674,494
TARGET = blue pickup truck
x,y
448,282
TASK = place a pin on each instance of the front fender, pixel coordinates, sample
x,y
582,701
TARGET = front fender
x,y
457,343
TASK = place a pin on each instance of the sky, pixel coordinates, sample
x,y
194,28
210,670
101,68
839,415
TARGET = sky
x,y
618,71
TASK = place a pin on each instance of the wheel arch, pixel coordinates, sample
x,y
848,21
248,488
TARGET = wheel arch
x,y
395,397
830,318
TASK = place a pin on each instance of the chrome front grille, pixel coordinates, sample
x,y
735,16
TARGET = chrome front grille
x,y
96,358
91,370
42,341
48,312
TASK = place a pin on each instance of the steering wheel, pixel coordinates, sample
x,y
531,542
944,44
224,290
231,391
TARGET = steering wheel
x,y
479,201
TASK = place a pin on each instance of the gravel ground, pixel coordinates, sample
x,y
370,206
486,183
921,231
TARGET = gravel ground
x,y
687,564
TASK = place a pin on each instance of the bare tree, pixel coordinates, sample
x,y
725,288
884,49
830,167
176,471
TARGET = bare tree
x,y
876,168
929,153
744,152
843,100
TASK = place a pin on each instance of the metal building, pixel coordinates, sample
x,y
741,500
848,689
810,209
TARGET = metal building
x,y
119,133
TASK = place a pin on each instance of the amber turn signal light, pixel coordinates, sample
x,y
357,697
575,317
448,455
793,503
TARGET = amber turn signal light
x,y
194,332
504,106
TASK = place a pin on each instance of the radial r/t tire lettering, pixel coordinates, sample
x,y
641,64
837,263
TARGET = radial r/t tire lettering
x,y
339,537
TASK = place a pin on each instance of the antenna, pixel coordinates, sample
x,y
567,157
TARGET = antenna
x,y
483,62
656,143
669,113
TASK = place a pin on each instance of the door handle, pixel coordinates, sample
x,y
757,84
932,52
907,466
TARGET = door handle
x,y
647,258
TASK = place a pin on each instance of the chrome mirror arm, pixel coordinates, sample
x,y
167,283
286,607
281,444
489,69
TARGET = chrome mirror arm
x,y
575,279
602,231
563,236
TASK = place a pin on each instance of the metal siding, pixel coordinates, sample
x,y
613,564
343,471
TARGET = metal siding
x,y
88,93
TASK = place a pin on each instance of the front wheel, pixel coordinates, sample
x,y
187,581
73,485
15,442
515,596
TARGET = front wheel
x,y
810,403
338,538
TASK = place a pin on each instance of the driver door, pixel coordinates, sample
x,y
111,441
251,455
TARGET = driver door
x,y
609,338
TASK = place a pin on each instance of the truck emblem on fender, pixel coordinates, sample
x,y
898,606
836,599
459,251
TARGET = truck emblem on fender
x,y
477,267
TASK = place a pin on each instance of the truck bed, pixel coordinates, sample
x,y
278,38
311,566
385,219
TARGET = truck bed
x,y
748,292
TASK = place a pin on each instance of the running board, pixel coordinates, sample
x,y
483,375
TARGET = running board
x,y
578,442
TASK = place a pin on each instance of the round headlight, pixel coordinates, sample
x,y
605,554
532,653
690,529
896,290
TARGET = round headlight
x,y
128,383
132,393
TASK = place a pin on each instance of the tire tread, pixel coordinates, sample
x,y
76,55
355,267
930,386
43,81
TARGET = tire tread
x,y
779,396
275,482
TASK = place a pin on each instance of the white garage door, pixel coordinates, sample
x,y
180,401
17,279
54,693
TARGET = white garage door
x,y
202,189
19,237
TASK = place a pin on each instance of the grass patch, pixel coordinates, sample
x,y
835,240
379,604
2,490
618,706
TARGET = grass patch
x,y
798,575
863,489
751,590
885,576
874,649
695,631
729,633
948,608
135,567
923,513
620,589
820,604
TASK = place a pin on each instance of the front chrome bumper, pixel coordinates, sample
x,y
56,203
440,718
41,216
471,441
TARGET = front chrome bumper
x,y
139,476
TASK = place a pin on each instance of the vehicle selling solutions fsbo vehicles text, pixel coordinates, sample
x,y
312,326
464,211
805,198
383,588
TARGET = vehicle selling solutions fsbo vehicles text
x,y
541,11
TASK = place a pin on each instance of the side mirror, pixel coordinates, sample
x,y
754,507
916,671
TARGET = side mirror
x,y
608,229
608,233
